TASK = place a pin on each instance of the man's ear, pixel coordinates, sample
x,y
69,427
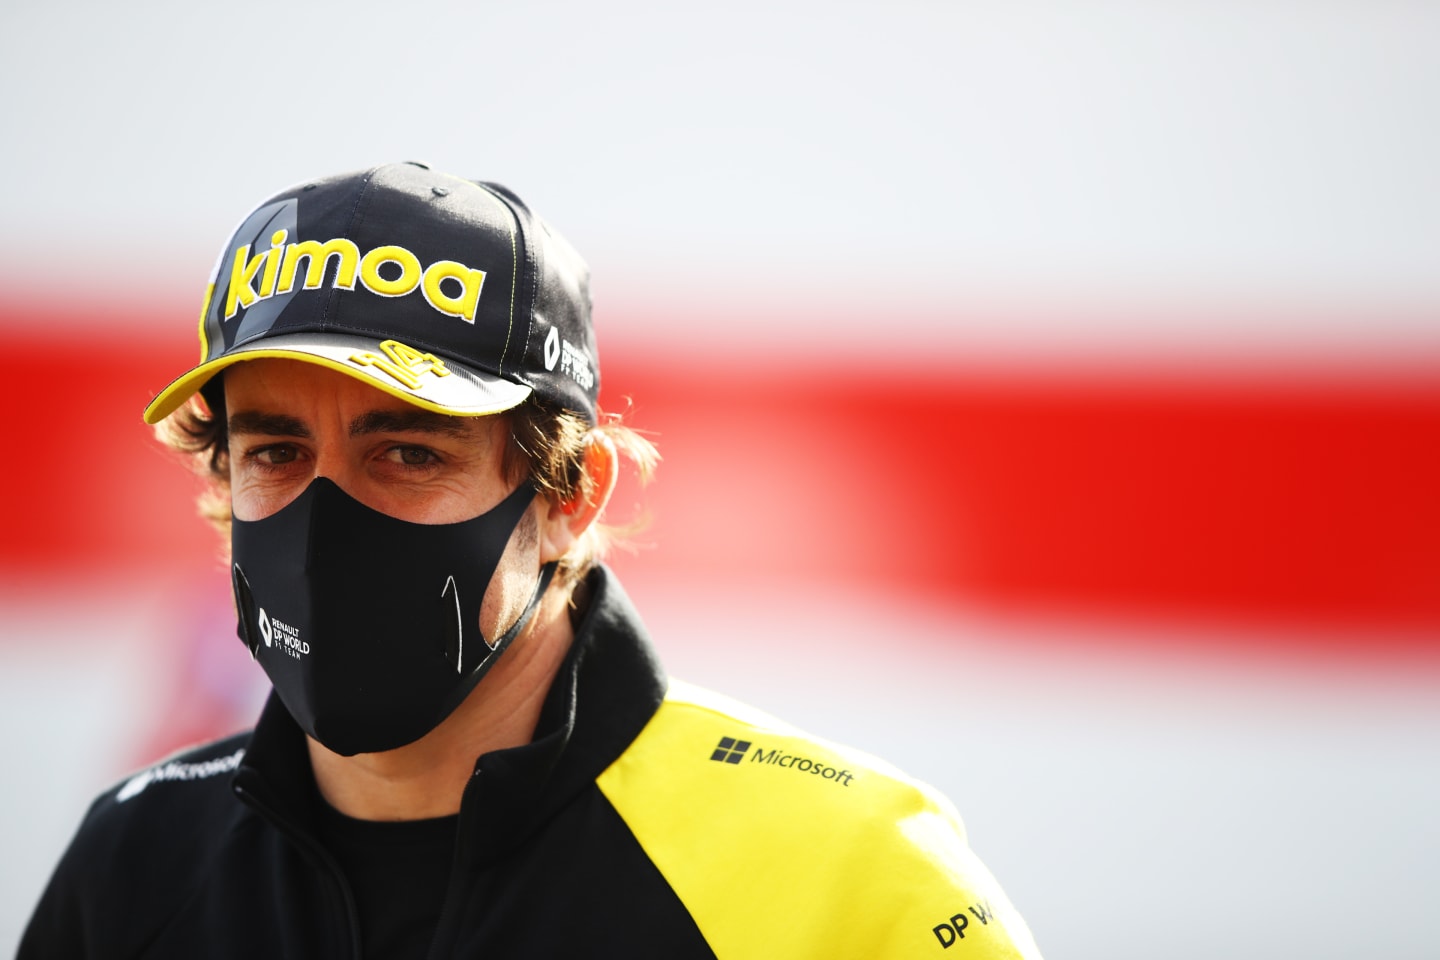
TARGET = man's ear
x,y
564,523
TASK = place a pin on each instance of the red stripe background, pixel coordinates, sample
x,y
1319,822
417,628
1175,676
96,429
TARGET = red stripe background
x,y
1304,501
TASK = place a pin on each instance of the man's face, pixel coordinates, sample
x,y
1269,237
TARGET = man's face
x,y
290,422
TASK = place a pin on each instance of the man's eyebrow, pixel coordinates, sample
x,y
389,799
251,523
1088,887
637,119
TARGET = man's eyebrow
x,y
267,424
409,421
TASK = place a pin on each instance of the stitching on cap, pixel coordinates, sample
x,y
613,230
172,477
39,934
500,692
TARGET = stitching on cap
x,y
514,268
534,289
355,221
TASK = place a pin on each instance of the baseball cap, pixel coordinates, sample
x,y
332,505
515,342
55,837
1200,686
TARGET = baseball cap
x,y
446,292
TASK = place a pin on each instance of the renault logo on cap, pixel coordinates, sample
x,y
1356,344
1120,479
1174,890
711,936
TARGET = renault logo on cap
x,y
552,348
266,632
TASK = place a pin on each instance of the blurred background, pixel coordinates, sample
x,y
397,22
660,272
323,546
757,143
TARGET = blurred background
x,y
1049,396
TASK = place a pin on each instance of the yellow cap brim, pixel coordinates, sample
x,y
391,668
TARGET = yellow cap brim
x,y
457,391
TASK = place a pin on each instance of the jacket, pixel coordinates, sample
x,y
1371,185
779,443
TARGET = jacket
x,y
646,819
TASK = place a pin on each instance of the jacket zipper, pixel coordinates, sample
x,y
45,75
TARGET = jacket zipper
x,y
319,857
443,943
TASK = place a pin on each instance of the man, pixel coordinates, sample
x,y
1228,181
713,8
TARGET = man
x,y
470,749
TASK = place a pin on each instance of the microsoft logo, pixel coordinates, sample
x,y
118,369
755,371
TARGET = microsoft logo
x,y
730,750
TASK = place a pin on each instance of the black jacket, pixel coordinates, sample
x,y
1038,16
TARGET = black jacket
x,y
634,825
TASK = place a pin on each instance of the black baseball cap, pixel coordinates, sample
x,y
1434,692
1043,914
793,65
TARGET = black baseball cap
x,y
446,292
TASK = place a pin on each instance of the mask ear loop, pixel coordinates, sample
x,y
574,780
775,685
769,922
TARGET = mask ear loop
x,y
541,585
452,639
244,605
482,667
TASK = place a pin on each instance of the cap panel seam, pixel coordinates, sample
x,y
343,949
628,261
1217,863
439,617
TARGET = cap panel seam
x,y
534,259
514,269
356,219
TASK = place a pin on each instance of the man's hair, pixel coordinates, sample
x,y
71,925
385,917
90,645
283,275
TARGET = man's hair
x,y
547,446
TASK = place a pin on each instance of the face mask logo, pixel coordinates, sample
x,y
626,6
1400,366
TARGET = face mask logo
x,y
369,626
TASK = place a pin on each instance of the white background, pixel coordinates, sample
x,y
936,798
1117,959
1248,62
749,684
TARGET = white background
x,y
978,168
779,153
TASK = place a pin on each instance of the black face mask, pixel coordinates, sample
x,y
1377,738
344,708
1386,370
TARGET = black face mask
x,y
369,626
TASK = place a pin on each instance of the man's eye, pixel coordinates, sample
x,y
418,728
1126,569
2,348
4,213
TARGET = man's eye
x,y
410,456
276,455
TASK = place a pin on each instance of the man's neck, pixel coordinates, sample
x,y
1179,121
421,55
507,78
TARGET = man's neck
x,y
427,778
